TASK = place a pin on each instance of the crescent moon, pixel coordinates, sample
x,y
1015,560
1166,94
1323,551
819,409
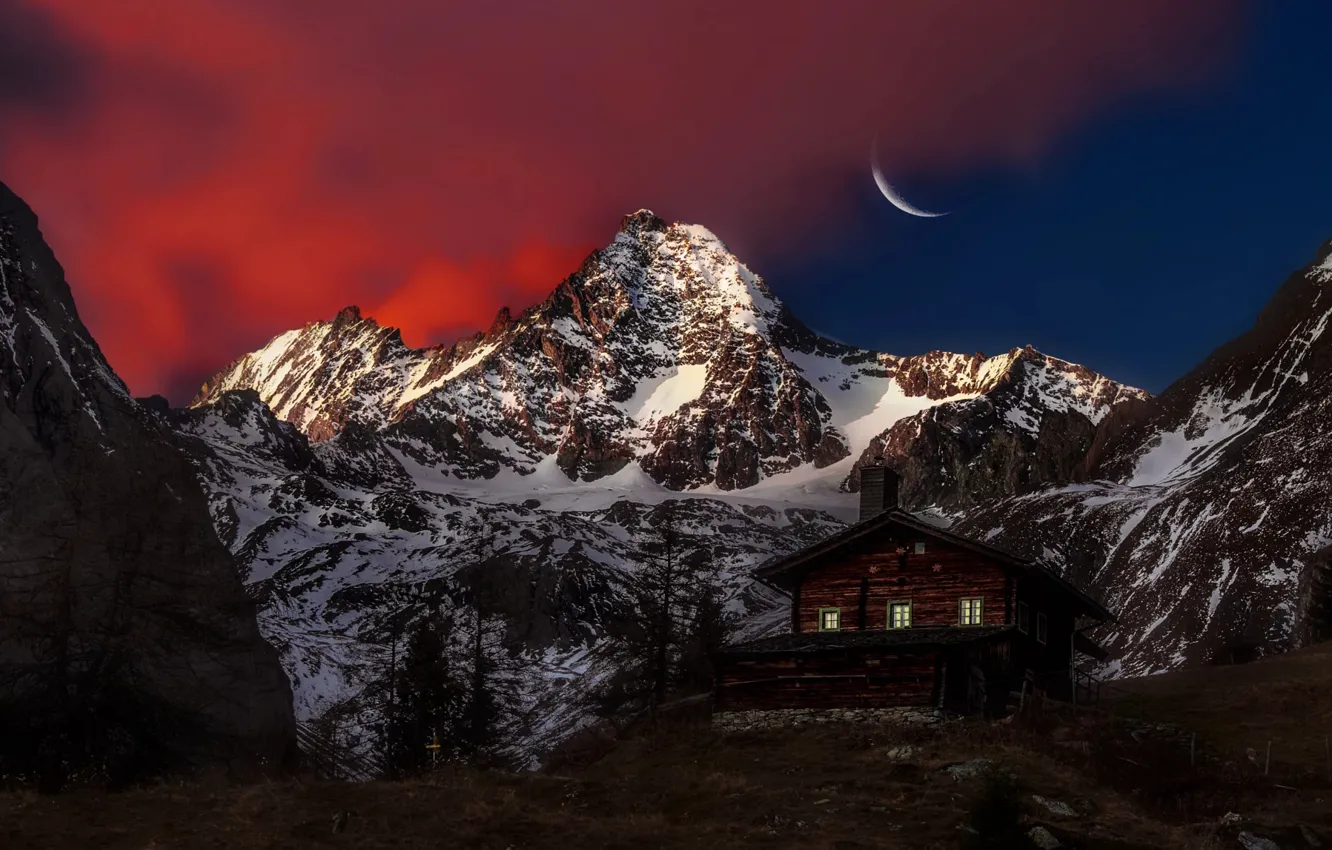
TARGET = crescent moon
x,y
894,197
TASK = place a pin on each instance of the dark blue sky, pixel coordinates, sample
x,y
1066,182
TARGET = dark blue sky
x,y
1135,247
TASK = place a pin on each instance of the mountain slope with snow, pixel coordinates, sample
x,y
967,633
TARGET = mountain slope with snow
x,y
336,541
1208,509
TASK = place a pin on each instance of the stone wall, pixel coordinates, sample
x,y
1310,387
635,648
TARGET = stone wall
x,y
733,721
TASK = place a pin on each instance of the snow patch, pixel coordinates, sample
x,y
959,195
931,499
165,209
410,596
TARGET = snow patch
x,y
667,392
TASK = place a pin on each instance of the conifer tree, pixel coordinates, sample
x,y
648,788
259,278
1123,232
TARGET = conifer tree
x,y
427,701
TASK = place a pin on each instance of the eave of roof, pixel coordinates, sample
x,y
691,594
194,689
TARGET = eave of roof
x,y
772,572
917,639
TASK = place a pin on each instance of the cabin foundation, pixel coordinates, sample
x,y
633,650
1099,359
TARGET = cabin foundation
x,y
786,718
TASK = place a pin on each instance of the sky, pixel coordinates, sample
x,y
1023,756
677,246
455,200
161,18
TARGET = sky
x,y
1127,182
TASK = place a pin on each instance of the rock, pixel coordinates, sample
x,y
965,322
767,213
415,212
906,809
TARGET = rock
x,y
116,597
967,770
902,753
1249,841
1043,839
1231,819
1063,810
734,721
1085,807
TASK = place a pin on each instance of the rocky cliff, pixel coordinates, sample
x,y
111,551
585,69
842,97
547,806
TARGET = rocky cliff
x,y
125,632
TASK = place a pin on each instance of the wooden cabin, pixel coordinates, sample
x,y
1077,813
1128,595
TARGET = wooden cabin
x,y
898,613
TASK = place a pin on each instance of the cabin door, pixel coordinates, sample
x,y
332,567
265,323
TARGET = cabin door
x,y
957,683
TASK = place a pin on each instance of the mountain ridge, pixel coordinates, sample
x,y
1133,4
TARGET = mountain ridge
x,y
739,389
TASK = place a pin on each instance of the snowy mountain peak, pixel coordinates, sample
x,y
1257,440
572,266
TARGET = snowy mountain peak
x,y
349,315
664,351
1321,270
642,221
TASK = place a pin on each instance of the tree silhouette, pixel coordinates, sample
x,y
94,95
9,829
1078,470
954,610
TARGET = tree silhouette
x,y
427,701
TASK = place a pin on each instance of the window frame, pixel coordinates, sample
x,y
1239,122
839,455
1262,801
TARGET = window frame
x,y
822,627
1042,628
909,617
918,548
1023,618
978,609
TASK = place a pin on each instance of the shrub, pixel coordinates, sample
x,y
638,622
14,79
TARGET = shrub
x,y
996,817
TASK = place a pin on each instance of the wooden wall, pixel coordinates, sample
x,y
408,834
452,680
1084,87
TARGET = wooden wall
x,y
891,577
1056,654
870,681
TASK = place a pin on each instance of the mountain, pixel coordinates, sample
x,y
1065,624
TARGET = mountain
x,y
1204,517
351,475
663,351
117,601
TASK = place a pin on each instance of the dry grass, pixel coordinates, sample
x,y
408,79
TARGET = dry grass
x,y
1285,700
823,788
829,787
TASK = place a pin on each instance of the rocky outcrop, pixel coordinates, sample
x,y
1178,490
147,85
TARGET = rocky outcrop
x,y
125,633
1034,427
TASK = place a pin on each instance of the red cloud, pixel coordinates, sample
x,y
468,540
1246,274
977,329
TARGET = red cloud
x,y
240,167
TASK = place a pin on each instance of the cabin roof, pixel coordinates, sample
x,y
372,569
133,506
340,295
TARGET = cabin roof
x,y
782,572
900,639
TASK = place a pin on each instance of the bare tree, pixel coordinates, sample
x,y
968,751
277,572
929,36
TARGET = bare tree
x,y
681,620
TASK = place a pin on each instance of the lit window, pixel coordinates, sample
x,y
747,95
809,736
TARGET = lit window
x,y
830,619
1024,618
1040,628
899,615
969,612
920,548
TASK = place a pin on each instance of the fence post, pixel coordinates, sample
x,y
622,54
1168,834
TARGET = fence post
x,y
1193,744
1327,751
1267,764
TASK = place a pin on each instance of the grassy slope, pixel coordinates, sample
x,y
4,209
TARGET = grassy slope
x,y
832,788
827,787
1285,699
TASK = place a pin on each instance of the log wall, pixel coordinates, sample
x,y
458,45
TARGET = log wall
x,y
827,682
1056,654
934,595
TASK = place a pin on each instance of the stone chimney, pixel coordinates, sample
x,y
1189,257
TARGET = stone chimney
x,y
878,490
